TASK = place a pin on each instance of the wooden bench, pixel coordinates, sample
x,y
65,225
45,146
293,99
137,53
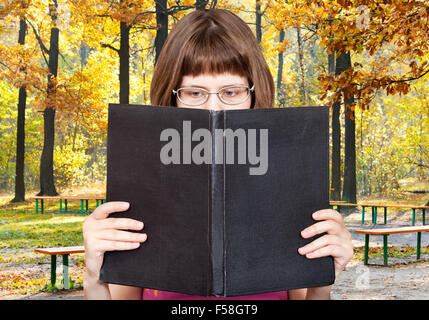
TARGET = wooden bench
x,y
340,204
374,207
64,251
83,198
385,232
402,206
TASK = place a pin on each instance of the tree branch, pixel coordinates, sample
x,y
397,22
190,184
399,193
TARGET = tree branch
x,y
105,45
411,79
39,40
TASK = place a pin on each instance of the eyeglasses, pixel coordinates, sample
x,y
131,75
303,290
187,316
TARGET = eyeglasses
x,y
231,95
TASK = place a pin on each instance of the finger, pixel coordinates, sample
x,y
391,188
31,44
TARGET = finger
x,y
119,235
105,245
328,226
103,211
328,214
120,224
319,243
331,250
341,254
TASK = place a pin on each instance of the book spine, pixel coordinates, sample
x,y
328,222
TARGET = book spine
x,y
217,205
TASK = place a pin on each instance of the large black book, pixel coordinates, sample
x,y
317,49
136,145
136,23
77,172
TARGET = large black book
x,y
223,195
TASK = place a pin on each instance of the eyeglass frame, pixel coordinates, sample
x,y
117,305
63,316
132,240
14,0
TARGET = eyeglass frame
x,y
252,89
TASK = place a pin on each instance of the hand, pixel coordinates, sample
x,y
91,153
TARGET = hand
x,y
336,243
101,234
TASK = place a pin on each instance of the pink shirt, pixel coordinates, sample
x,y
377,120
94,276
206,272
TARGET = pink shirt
x,y
149,294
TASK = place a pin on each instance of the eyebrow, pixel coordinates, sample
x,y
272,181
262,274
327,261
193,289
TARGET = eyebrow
x,y
199,86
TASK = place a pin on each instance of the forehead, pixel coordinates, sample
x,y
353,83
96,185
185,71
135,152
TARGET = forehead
x,y
213,80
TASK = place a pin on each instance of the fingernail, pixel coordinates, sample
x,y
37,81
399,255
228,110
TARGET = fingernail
x,y
125,204
305,233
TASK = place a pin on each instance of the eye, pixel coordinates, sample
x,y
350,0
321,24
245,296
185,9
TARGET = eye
x,y
195,94
230,92
191,93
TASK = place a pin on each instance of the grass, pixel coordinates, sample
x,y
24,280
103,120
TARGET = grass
x,y
412,185
21,229
393,251
22,271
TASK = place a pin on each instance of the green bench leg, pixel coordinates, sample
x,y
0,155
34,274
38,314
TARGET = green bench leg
x,y
419,240
42,206
97,203
65,205
414,217
363,214
424,216
365,259
37,206
81,206
385,249
53,270
374,215
385,215
61,205
66,271
86,206
66,277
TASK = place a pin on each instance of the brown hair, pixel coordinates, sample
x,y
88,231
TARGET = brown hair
x,y
211,41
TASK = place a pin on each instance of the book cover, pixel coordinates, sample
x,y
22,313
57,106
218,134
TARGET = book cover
x,y
223,195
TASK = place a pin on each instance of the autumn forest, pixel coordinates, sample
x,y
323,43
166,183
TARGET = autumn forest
x,y
62,62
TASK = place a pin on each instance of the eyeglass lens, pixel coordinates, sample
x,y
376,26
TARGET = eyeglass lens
x,y
228,95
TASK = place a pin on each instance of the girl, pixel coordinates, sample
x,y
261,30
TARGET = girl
x,y
210,60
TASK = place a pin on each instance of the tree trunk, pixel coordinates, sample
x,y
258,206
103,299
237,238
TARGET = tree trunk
x,y
124,65
162,23
201,4
84,53
349,187
349,182
336,141
280,96
301,66
47,186
258,22
20,132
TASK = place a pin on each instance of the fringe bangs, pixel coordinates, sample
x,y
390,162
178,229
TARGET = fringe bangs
x,y
211,52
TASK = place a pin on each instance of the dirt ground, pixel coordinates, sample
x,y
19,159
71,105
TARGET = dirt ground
x,y
403,282
403,279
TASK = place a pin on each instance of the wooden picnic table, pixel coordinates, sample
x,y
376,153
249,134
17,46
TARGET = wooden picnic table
x,y
67,198
374,207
